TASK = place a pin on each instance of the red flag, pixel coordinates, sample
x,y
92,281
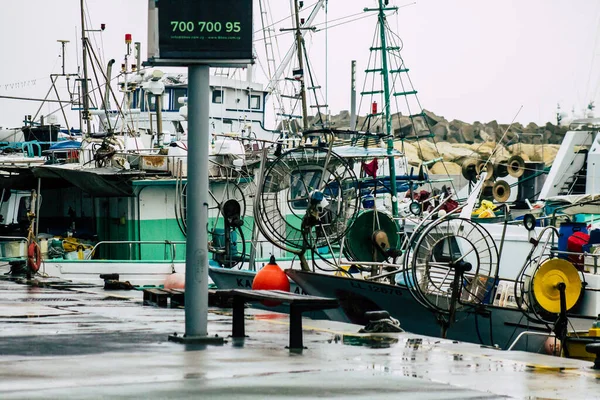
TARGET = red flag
x,y
371,168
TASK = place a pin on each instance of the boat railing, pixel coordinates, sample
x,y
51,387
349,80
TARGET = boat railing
x,y
529,333
380,266
589,261
170,245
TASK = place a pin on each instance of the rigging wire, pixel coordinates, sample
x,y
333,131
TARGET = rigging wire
x,y
326,62
593,58
284,19
319,30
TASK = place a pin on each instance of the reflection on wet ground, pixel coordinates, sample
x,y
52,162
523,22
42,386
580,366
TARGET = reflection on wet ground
x,y
84,342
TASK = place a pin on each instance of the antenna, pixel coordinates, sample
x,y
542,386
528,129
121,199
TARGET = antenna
x,y
63,43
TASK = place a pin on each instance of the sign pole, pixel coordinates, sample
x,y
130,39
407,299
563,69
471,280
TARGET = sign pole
x,y
196,264
198,34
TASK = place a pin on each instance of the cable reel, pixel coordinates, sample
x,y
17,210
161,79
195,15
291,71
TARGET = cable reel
x,y
452,265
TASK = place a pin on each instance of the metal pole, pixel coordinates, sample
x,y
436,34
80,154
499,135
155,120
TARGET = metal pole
x,y
196,265
387,112
196,261
84,82
299,41
37,207
353,96
159,132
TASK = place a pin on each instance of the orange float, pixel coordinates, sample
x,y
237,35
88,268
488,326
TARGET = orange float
x,y
175,281
271,277
34,256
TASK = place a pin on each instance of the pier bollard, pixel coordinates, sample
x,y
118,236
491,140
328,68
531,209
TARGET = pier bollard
x,y
594,348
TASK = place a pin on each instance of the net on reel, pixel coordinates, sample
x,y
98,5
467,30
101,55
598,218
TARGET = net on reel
x,y
451,264
235,186
542,279
307,197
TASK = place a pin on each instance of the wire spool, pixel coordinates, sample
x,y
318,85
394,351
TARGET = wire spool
x,y
295,178
432,263
501,168
515,166
545,285
501,191
487,191
488,168
469,169
369,228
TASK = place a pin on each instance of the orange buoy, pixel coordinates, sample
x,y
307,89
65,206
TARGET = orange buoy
x,y
552,346
175,281
271,277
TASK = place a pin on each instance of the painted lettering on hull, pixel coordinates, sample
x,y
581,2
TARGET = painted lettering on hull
x,y
244,283
299,290
375,288
247,284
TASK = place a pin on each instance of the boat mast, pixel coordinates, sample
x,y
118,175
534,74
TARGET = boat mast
x,y
84,83
299,46
387,113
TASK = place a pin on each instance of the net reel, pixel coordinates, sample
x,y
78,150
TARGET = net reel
x,y
229,199
488,167
549,287
469,170
515,166
501,191
307,198
452,265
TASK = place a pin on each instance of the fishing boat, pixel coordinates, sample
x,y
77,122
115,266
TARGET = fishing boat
x,y
495,284
114,202
444,276
357,171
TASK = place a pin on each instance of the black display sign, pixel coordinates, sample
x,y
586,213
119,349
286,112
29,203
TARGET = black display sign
x,y
205,29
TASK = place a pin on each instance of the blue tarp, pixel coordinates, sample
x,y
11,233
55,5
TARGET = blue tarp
x,y
65,145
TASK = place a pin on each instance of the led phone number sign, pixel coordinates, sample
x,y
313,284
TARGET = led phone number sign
x,y
205,29
204,26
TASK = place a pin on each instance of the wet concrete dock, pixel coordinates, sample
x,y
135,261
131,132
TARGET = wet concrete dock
x,y
83,342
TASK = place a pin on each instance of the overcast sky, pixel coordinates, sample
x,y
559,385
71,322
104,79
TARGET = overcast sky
x,y
469,59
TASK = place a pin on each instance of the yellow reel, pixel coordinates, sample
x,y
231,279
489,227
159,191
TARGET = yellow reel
x,y
546,280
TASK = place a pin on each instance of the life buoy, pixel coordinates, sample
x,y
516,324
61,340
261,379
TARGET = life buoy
x,y
34,256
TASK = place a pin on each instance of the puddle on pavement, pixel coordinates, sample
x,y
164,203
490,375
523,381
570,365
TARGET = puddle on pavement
x,y
371,341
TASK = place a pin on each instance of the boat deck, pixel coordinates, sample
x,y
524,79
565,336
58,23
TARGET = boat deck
x,y
77,341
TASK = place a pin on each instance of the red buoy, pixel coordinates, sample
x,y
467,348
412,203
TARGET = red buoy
x,y
271,277
175,281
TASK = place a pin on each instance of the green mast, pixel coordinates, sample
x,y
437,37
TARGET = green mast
x,y
386,96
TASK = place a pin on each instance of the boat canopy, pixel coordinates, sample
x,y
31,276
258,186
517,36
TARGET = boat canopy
x,y
575,204
360,152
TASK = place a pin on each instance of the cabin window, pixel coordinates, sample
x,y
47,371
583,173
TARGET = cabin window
x,y
136,100
24,206
151,102
217,96
300,186
227,125
166,100
178,94
254,102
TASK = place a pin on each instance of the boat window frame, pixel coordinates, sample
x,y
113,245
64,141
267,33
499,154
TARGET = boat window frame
x,y
175,95
258,99
298,199
214,96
